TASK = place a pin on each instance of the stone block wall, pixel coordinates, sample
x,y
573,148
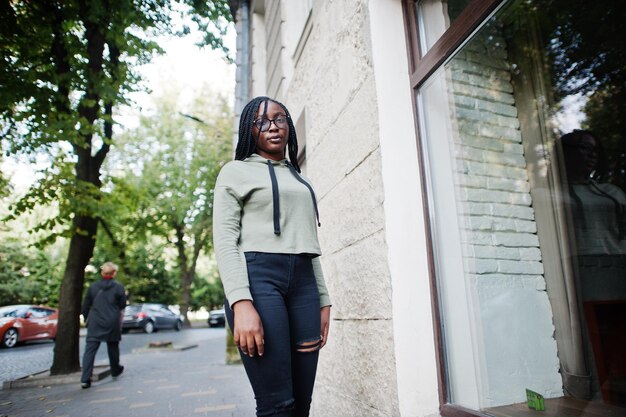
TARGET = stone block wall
x,y
333,84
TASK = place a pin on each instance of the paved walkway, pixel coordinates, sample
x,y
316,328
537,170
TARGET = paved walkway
x,y
193,382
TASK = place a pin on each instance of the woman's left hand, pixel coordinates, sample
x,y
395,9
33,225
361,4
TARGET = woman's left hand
x,y
325,323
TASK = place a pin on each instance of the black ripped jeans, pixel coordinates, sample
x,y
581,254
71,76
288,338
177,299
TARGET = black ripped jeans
x,y
285,295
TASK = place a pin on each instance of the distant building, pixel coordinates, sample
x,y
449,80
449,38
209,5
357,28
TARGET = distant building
x,y
450,235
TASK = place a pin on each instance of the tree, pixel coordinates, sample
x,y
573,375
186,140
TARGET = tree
x,y
26,275
177,176
5,184
144,268
125,239
586,53
207,291
65,66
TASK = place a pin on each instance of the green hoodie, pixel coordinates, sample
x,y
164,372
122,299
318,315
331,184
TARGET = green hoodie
x,y
251,214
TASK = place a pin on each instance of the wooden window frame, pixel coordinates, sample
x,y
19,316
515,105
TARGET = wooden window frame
x,y
420,69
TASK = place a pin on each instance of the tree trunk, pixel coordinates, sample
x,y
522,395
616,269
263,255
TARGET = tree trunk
x,y
66,349
186,272
185,294
84,227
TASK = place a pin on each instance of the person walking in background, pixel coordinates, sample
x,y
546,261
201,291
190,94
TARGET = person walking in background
x,y
102,310
265,221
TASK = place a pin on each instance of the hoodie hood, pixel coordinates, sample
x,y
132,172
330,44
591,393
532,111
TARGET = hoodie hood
x,y
259,159
105,283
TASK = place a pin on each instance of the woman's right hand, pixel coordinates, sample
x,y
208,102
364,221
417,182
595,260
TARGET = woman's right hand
x,y
248,333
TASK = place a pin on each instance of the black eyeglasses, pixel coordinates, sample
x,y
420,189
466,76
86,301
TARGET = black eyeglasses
x,y
264,124
584,147
588,148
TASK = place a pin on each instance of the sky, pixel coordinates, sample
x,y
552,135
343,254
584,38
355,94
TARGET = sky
x,y
188,67
183,63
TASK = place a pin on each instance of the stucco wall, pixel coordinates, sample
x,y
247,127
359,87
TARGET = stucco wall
x,y
334,82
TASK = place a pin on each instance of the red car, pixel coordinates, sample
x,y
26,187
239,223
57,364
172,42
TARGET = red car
x,y
20,323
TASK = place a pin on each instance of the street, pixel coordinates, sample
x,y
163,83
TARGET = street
x,y
32,357
158,382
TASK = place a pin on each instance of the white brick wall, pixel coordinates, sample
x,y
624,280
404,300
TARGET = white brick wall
x,y
502,257
493,183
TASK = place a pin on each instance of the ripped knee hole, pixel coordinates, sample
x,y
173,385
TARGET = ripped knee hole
x,y
309,345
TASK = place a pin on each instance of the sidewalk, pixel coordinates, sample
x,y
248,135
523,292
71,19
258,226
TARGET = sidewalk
x,y
160,382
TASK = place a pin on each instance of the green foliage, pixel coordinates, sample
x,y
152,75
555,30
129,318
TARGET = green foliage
x,y
65,195
143,271
179,172
586,58
207,292
584,44
5,186
161,207
63,65
5,183
27,275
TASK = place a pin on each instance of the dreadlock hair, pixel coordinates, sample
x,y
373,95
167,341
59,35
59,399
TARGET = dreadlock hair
x,y
246,145
573,139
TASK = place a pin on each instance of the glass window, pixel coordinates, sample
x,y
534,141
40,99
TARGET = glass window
x,y
37,312
12,311
524,147
435,17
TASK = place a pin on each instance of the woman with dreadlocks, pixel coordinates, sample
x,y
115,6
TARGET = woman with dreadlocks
x,y
598,210
265,223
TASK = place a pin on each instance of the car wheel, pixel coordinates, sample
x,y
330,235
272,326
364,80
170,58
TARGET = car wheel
x,y
9,339
124,331
148,327
179,325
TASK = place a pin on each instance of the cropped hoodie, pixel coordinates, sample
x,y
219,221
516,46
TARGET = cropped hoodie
x,y
261,205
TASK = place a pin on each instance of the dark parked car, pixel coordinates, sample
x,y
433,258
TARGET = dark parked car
x,y
150,317
19,323
216,318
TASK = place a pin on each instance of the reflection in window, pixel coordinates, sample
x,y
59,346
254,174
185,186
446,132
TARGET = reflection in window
x,y
524,139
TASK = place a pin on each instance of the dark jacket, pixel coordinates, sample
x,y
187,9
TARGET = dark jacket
x,y
104,301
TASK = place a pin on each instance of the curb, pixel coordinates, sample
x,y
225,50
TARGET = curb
x,y
174,348
44,378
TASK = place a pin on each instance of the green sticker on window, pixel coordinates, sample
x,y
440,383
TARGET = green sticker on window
x,y
535,400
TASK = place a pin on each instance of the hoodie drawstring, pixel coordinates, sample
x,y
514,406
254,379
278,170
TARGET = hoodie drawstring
x,y
275,194
306,184
275,198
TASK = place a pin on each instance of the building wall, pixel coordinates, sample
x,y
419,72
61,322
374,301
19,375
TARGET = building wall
x,y
350,99
341,69
334,84
258,55
405,233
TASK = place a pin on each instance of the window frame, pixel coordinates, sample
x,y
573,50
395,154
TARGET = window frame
x,y
420,69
